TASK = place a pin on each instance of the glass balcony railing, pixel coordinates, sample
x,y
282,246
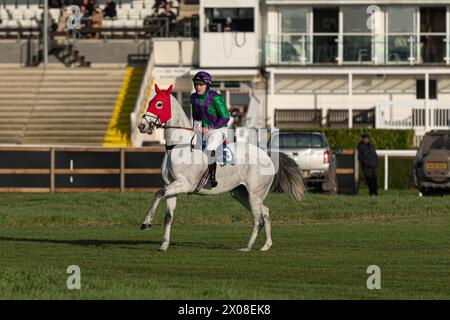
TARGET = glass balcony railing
x,y
288,49
401,48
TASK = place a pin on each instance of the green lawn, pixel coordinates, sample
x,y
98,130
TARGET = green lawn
x,y
322,248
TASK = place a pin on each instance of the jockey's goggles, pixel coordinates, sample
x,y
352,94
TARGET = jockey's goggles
x,y
199,82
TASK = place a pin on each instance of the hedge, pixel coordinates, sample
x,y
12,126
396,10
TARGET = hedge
x,y
400,169
381,138
400,174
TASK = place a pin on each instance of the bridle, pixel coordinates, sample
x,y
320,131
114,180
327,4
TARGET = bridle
x,y
158,125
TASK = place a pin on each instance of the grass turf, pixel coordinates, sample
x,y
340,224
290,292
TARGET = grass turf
x,y
322,248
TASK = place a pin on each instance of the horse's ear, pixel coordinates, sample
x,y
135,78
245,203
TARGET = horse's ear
x,y
170,89
157,89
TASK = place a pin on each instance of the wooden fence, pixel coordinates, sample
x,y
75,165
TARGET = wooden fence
x,y
72,169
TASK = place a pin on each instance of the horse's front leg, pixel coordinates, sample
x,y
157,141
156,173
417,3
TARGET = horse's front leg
x,y
178,186
171,203
151,212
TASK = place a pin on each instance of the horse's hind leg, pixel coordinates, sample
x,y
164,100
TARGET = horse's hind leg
x,y
256,207
240,193
268,228
171,203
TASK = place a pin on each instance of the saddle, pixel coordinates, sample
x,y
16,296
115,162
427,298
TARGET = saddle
x,y
224,156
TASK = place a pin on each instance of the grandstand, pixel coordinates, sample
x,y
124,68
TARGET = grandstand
x,y
28,13
90,86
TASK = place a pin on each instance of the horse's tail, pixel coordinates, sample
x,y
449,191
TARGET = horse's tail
x,y
289,178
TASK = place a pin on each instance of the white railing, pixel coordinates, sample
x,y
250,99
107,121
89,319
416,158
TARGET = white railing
x,y
393,153
412,115
144,94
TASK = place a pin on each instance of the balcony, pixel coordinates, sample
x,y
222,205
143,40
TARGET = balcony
x,y
413,115
385,115
362,118
356,49
335,118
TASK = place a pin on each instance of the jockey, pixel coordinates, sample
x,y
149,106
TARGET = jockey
x,y
210,108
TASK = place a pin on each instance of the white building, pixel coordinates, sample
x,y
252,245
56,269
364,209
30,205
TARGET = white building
x,y
299,63
342,57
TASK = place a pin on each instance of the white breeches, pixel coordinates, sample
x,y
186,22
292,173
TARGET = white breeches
x,y
215,138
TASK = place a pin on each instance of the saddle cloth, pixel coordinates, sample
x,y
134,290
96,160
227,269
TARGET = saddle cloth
x,y
224,155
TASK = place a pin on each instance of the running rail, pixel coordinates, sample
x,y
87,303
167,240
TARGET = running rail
x,y
393,153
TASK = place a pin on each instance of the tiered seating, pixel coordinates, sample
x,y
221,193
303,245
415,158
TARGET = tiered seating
x,y
132,14
28,13
25,15
59,105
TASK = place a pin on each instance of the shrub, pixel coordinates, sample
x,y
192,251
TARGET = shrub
x,y
381,138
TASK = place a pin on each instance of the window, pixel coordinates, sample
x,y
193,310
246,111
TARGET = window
x,y
433,17
401,33
229,19
420,89
441,142
293,19
326,21
232,84
401,19
432,34
294,40
298,140
357,37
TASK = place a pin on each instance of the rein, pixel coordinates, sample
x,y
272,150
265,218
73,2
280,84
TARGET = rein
x,y
160,125
174,127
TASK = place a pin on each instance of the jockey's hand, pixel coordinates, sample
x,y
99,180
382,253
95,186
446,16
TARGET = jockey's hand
x,y
205,130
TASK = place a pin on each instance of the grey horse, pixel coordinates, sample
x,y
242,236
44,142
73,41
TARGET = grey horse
x,y
249,180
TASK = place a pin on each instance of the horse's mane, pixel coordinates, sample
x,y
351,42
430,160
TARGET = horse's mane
x,y
183,118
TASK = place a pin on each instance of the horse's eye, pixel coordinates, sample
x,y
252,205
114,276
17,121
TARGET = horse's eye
x,y
159,105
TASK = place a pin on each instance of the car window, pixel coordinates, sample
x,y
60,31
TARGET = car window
x,y
317,141
299,140
440,143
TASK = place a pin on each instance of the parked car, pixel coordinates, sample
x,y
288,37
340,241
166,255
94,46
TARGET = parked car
x,y
431,165
313,155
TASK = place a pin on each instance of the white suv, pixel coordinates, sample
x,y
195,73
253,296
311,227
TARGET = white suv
x,y
313,155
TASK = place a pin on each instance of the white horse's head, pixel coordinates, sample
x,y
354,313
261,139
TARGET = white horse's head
x,y
158,111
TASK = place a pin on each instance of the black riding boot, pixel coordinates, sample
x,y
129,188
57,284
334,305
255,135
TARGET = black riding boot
x,y
212,169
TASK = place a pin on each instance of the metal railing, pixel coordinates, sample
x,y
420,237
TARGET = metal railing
x,y
393,153
33,51
356,48
18,32
113,32
362,118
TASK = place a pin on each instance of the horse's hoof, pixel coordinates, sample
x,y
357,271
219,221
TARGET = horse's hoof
x,y
145,226
245,249
163,247
265,248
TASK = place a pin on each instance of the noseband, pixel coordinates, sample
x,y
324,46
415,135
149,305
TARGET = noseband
x,y
157,123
